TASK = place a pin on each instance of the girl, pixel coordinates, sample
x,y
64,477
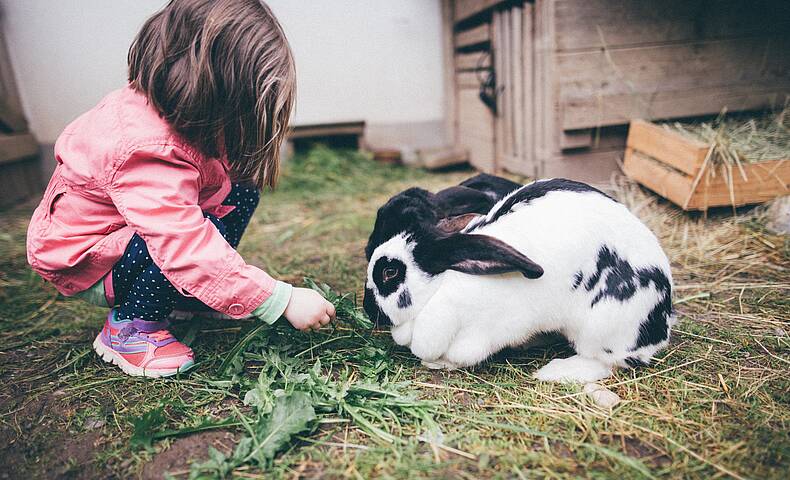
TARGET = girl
x,y
155,185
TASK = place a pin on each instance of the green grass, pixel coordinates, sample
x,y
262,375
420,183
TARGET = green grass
x,y
345,402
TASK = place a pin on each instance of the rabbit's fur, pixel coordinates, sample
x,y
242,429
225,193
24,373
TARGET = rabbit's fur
x,y
554,255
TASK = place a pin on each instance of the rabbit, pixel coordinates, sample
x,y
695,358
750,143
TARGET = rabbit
x,y
553,255
449,210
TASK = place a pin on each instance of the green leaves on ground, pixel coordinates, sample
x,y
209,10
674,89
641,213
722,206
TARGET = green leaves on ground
x,y
303,378
291,414
145,427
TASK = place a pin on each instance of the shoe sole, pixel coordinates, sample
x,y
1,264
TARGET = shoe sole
x,y
111,356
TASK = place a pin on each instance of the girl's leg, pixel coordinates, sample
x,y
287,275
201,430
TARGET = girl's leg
x,y
135,336
245,197
141,289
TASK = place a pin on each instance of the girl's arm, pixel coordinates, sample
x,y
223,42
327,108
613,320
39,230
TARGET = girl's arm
x,y
156,189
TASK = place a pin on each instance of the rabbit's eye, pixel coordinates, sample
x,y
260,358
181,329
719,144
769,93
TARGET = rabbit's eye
x,y
389,273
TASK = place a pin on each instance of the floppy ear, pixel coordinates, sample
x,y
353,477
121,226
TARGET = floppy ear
x,y
456,223
473,254
460,200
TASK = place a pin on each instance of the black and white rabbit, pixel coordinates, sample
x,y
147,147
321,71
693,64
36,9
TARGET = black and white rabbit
x,y
553,255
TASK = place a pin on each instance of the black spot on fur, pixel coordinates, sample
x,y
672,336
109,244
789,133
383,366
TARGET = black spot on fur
x,y
404,299
656,328
634,362
621,282
386,286
375,314
577,280
621,279
607,350
535,190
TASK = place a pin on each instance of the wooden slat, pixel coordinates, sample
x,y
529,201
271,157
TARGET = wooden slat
x,y
545,88
611,87
666,182
11,112
500,62
470,80
505,81
450,88
469,8
594,166
596,24
517,85
472,61
444,157
764,181
571,139
475,125
17,146
327,129
685,154
480,34
620,109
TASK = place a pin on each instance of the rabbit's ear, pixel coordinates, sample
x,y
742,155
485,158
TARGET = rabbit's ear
x,y
461,200
473,254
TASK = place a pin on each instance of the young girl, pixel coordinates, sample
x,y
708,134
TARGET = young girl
x,y
155,185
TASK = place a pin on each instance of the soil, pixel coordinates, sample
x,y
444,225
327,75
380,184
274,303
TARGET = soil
x,y
184,451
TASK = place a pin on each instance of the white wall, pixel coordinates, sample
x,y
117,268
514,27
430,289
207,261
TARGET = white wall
x,y
373,60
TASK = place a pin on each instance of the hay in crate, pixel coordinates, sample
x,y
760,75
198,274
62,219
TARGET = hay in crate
x,y
732,160
737,140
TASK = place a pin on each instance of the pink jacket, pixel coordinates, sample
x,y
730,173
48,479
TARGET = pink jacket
x,y
122,170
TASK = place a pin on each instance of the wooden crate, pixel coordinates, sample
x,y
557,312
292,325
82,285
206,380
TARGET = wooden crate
x,y
675,167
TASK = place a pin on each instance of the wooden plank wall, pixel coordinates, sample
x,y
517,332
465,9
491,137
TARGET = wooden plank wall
x,y
20,169
622,59
514,124
584,68
472,39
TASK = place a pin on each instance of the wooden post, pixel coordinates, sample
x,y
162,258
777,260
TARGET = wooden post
x,y
450,90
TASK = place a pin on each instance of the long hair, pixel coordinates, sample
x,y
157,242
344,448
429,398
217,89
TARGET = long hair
x,y
221,73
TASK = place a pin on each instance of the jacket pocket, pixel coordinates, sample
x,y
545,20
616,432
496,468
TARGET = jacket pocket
x,y
52,197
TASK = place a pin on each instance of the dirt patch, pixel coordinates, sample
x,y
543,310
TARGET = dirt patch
x,y
185,451
34,442
636,448
60,455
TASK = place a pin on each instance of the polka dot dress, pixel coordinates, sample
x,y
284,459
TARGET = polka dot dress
x,y
143,292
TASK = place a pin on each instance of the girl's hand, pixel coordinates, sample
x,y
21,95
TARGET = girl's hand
x,y
308,310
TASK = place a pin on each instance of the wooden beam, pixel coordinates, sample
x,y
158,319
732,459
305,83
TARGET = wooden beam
x,y
450,88
472,61
591,25
327,130
17,147
613,86
468,8
478,35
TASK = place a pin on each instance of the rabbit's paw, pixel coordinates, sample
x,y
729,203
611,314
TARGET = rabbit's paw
x,y
573,369
439,364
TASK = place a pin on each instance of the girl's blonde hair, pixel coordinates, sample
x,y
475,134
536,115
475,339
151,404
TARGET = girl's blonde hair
x,y
221,73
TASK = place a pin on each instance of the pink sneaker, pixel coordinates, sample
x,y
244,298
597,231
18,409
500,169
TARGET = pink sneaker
x,y
142,348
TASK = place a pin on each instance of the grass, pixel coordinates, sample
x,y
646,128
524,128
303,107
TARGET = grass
x,y
345,402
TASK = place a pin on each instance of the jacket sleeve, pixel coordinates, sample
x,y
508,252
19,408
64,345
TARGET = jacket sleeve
x,y
156,189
